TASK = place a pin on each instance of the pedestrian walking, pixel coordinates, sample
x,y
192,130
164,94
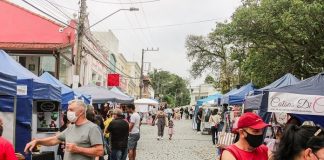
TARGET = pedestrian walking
x,y
250,144
171,129
214,121
181,113
161,120
83,139
118,130
190,113
7,151
154,110
134,131
301,143
198,119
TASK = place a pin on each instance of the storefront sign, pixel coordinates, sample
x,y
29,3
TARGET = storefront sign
x,y
296,103
22,90
47,116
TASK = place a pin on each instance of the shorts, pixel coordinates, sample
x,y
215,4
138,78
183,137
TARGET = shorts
x,y
132,140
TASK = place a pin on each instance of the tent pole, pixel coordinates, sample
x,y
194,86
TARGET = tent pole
x,y
14,127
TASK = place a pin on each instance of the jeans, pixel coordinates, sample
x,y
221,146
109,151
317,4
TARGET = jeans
x,y
160,129
198,125
214,133
118,154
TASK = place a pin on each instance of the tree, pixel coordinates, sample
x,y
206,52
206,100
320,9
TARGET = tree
x,y
264,40
212,53
172,88
283,36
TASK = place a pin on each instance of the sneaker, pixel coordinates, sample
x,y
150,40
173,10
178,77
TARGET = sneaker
x,y
158,138
161,138
170,138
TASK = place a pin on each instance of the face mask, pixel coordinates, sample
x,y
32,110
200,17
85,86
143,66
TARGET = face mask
x,y
254,140
71,116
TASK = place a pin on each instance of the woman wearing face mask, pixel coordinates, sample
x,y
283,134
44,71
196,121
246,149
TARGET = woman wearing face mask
x,y
250,128
301,143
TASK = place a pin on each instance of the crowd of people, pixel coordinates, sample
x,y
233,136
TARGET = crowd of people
x,y
295,141
90,134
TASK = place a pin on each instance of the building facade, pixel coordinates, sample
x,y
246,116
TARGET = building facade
x,y
134,73
36,42
201,91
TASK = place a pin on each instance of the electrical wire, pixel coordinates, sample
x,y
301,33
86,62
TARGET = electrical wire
x,y
47,14
68,8
140,25
165,26
107,2
58,9
49,9
75,28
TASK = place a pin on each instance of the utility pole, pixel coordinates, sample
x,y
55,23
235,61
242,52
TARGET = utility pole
x,y
141,85
81,33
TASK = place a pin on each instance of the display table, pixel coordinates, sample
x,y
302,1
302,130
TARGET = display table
x,y
46,155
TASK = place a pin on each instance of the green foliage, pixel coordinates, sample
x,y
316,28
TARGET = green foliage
x,y
263,41
170,87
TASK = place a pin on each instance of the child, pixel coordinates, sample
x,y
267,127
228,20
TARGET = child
x,y
171,131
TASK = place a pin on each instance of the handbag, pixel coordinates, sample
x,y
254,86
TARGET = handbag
x,y
225,138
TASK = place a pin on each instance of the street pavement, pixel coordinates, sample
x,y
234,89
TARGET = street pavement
x,y
185,145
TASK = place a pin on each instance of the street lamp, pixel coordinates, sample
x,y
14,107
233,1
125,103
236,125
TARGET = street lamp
x,y
129,9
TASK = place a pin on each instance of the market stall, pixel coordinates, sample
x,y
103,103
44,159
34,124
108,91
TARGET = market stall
x,y
31,93
254,102
67,93
303,100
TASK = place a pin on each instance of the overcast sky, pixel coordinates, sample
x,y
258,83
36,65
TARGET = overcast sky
x,y
160,22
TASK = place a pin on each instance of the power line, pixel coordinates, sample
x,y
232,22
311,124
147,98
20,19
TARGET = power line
x,y
139,24
107,2
47,14
165,26
48,9
72,9
58,9
86,36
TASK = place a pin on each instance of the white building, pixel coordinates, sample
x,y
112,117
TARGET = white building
x,y
201,91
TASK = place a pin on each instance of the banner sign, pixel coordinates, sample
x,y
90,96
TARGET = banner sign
x,y
296,103
47,116
21,90
113,80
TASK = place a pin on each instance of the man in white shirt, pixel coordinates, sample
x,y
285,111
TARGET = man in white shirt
x,y
134,131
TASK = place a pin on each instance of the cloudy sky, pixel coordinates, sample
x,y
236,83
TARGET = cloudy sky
x,y
162,24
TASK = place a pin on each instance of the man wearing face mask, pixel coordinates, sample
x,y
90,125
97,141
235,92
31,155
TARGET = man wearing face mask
x,y
83,139
250,144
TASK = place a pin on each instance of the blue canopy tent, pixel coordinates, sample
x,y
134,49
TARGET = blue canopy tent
x,y
122,95
8,99
237,96
254,102
305,100
67,93
37,89
215,97
101,95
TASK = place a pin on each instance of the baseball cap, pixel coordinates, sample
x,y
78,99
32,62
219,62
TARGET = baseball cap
x,y
251,120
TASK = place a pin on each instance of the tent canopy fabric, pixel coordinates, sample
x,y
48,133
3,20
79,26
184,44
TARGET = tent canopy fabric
x,y
146,101
102,94
8,84
213,97
285,80
254,102
238,96
40,88
67,93
311,86
118,91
